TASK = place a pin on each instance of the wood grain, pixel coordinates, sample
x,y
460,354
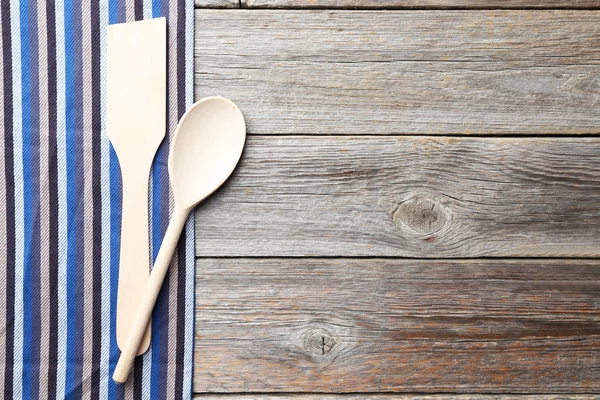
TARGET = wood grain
x,y
404,72
419,4
407,196
368,325
355,396
307,80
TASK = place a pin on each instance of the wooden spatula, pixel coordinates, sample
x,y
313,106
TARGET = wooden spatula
x,y
135,124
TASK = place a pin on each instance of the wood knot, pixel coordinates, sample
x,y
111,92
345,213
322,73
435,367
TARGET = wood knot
x,y
421,215
319,342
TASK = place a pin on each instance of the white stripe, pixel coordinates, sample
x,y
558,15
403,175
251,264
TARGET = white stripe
x,y
19,206
128,388
129,10
88,198
189,53
105,195
146,373
44,205
190,271
61,141
171,327
147,9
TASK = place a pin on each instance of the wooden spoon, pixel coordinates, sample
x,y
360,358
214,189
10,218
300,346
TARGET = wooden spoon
x,y
206,148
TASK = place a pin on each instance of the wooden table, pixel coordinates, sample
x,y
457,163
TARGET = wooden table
x,y
417,211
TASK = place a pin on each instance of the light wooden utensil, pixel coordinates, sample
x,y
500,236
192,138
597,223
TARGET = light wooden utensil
x,y
135,125
206,147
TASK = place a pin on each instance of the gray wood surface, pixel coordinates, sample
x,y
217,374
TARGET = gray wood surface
x,y
407,196
304,396
387,4
361,145
360,325
404,72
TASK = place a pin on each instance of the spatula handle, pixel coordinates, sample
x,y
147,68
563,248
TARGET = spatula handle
x,y
155,281
134,263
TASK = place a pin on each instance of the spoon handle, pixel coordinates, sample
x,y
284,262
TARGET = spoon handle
x,y
146,305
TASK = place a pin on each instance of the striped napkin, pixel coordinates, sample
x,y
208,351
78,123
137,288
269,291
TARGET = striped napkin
x,y
60,202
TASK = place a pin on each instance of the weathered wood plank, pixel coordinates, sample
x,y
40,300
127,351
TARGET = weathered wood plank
x,y
549,37
353,396
361,325
399,4
407,196
404,72
217,3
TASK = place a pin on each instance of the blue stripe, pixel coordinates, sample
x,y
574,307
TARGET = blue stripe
x,y
156,9
114,391
115,244
113,13
161,310
160,314
71,201
27,193
115,248
157,234
79,266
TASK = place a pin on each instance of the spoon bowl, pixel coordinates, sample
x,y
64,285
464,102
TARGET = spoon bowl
x,y
206,147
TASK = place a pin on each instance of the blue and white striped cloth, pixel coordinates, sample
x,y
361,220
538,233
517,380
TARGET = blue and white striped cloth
x,y
60,202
